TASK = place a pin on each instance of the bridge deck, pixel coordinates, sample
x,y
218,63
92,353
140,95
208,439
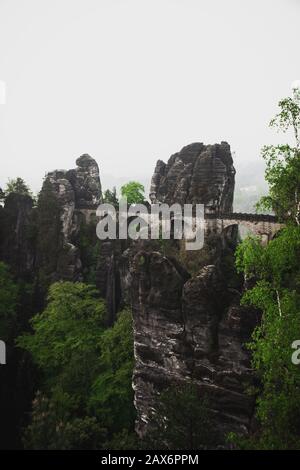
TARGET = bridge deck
x,y
244,216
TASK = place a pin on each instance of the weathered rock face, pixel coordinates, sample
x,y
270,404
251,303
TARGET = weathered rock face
x,y
155,291
188,328
199,173
77,189
217,328
77,193
86,184
65,195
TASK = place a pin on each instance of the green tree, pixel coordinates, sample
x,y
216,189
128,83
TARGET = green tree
x,y
110,197
89,246
8,304
134,192
17,377
49,242
182,420
86,395
18,186
274,273
54,427
67,336
283,165
112,395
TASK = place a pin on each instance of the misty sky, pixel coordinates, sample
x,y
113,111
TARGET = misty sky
x,y
131,81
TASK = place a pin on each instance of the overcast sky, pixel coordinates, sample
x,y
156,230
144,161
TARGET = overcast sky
x,y
131,81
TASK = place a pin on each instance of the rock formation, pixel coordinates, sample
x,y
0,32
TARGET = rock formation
x,y
77,190
199,173
78,194
188,329
86,184
188,322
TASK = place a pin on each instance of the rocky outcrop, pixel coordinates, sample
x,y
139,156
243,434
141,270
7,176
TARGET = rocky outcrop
x,y
217,328
85,181
77,194
155,288
61,187
188,329
199,173
78,190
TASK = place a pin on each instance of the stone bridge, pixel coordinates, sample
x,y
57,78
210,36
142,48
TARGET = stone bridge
x,y
261,225
264,226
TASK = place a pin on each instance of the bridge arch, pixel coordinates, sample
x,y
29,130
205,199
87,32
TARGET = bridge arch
x,y
263,226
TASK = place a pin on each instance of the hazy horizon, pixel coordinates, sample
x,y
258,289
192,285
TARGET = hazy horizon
x,y
133,81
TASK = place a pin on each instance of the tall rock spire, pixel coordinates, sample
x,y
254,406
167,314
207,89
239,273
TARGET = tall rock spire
x,y
199,173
